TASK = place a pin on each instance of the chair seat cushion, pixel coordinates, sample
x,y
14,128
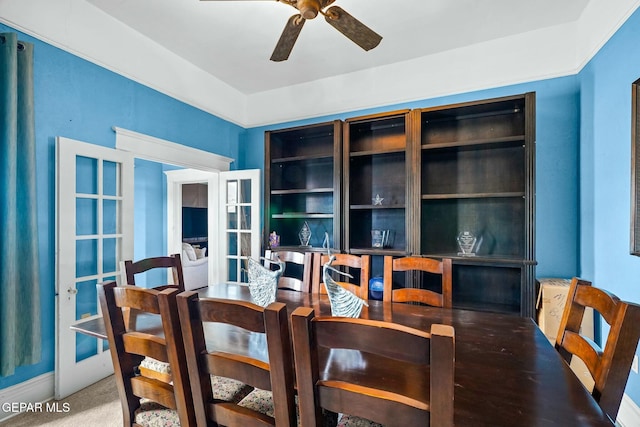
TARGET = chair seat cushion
x,y
223,388
156,365
353,421
229,389
152,414
260,401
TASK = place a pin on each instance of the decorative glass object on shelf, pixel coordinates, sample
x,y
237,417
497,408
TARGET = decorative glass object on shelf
x,y
468,243
343,302
377,201
305,235
263,282
381,238
274,240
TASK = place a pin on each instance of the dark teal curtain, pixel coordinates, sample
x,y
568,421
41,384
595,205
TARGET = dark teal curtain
x,y
20,335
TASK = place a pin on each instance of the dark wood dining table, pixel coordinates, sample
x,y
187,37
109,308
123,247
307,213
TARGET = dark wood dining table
x,y
506,372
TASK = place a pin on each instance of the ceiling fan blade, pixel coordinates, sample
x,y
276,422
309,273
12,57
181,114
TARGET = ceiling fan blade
x,y
355,30
288,38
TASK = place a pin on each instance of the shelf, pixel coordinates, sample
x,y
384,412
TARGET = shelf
x,y
301,248
517,194
294,215
371,207
376,152
482,259
475,143
302,191
375,251
325,157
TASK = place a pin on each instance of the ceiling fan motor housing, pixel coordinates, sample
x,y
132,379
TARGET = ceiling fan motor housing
x,y
308,8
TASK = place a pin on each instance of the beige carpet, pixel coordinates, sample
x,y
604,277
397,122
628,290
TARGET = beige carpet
x,y
97,405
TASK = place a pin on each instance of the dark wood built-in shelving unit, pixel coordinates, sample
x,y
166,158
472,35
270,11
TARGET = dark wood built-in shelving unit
x,y
440,171
302,183
475,167
375,151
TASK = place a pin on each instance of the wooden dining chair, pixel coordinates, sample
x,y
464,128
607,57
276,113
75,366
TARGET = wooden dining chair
x,y
273,399
362,263
610,366
298,269
173,262
444,298
132,268
147,399
361,392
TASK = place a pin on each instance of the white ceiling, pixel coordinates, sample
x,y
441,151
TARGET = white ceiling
x,y
233,40
215,54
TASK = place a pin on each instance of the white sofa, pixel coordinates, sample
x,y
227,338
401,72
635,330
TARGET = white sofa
x,y
195,267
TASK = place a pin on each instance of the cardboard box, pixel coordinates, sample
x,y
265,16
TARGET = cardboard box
x,y
552,298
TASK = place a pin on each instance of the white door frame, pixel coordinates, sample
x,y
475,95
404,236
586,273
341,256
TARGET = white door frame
x,y
175,180
200,166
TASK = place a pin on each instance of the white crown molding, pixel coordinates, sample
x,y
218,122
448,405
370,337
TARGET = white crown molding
x,y
79,27
163,151
599,21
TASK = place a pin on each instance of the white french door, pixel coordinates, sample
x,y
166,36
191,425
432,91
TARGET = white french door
x,y
239,222
94,197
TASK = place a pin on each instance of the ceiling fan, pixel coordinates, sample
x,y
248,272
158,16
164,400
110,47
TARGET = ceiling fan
x,y
355,30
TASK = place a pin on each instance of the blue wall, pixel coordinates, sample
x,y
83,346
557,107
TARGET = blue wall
x,y
80,100
605,168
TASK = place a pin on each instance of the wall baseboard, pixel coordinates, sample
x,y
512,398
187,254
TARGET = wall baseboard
x,y
629,413
38,389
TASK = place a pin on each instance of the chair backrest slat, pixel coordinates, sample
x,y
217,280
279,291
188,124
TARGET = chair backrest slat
x,y
443,268
172,261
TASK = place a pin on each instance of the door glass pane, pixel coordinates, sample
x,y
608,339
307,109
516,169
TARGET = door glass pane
x,y
244,278
232,193
245,191
86,217
110,255
86,305
232,221
110,172
232,243
110,216
86,299
233,269
86,257
86,175
245,217
245,244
